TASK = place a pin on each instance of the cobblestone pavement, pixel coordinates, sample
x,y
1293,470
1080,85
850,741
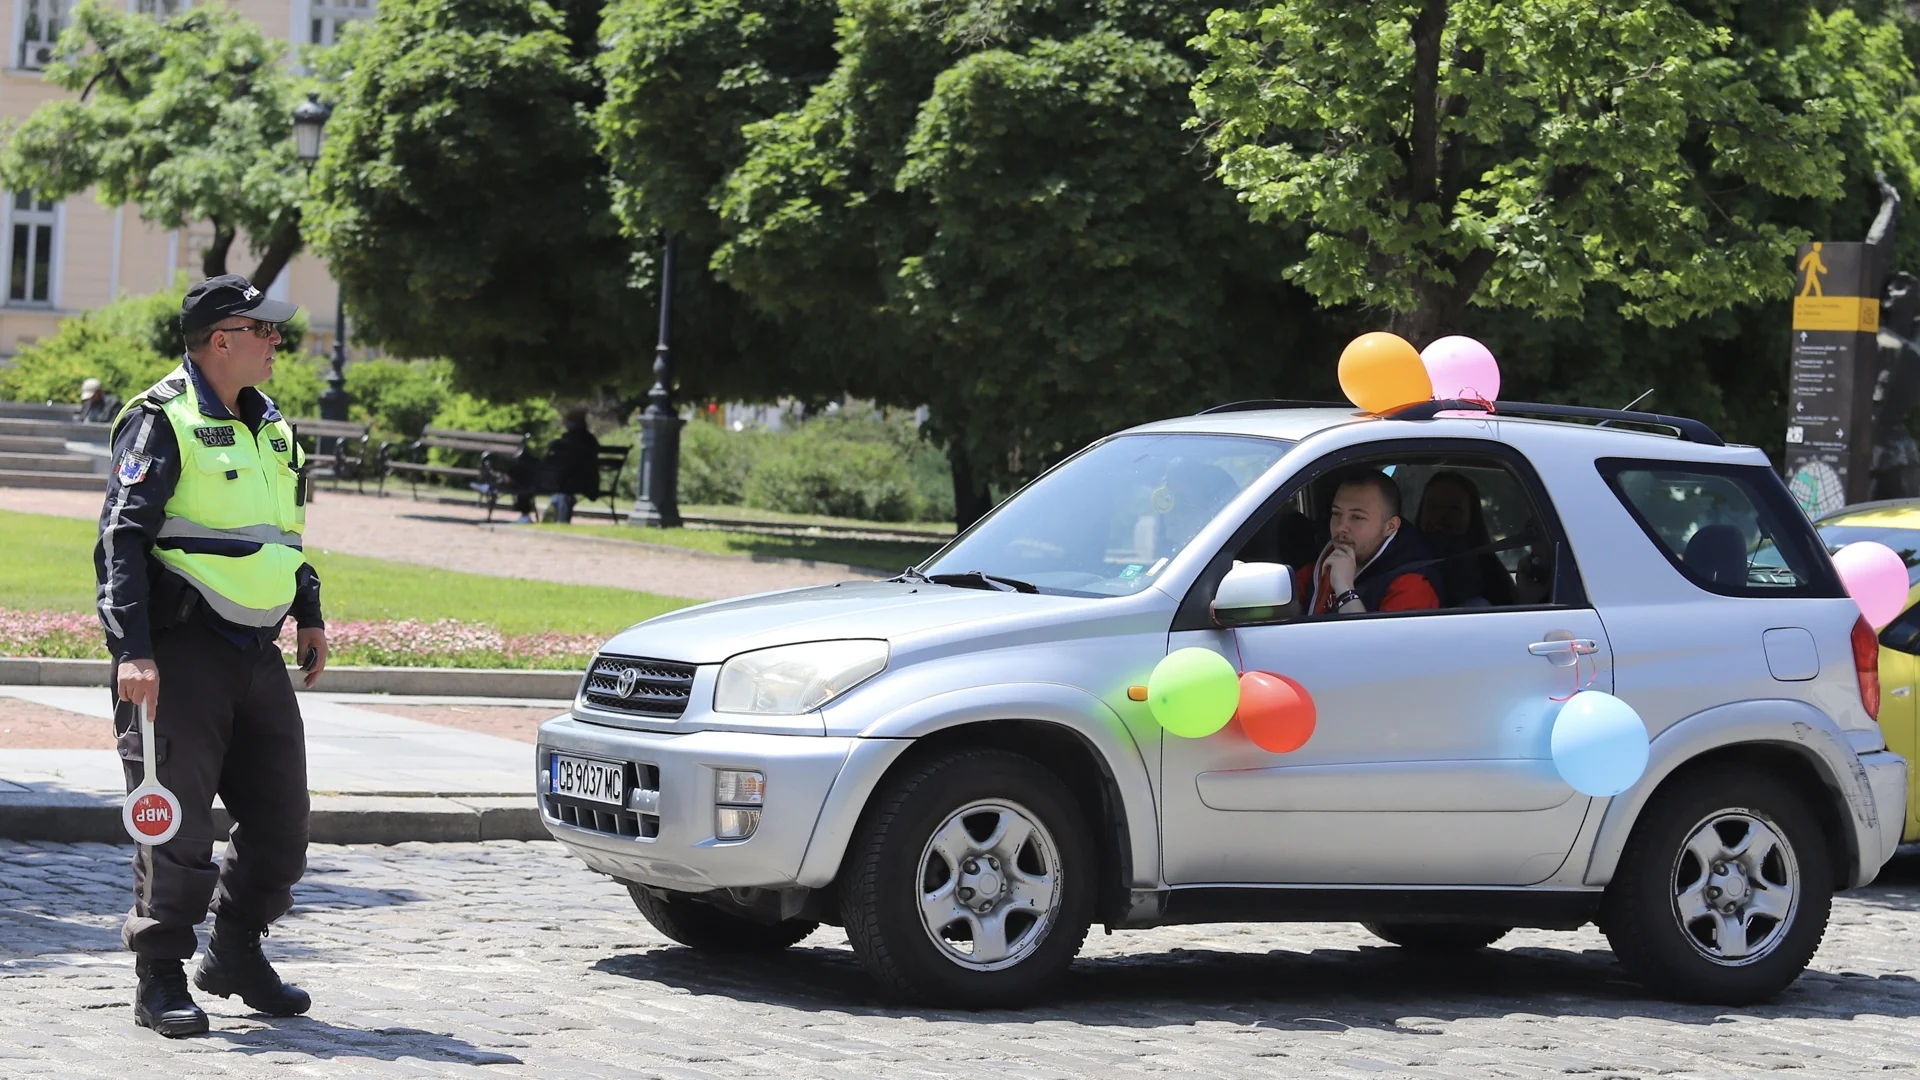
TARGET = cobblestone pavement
x,y
445,536
511,960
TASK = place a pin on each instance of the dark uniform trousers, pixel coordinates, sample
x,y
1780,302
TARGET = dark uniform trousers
x,y
227,724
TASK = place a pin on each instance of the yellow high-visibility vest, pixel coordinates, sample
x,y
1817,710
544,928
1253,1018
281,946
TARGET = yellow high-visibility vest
x,y
232,527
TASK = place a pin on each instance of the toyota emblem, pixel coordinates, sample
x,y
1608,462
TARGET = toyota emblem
x,y
623,685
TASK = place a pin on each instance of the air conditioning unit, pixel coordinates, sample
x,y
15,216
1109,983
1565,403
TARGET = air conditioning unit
x,y
39,56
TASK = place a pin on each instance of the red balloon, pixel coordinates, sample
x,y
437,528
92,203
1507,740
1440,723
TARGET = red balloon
x,y
1275,712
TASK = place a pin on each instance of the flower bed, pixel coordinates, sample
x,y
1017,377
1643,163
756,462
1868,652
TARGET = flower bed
x,y
404,643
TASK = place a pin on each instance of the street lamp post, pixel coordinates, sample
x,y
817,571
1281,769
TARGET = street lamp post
x,y
309,132
657,499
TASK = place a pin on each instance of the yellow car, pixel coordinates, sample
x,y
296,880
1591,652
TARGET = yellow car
x,y
1895,523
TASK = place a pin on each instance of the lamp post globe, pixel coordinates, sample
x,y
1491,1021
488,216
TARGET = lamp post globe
x,y
310,129
309,134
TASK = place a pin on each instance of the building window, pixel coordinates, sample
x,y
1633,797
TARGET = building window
x,y
159,8
326,18
40,24
32,225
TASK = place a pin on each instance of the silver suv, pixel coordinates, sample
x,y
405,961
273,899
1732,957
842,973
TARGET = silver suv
x,y
956,766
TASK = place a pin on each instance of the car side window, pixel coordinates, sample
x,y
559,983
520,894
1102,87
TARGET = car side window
x,y
1469,524
1729,529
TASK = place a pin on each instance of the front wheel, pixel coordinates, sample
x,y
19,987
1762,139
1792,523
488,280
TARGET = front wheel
x,y
699,925
971,882
1723,892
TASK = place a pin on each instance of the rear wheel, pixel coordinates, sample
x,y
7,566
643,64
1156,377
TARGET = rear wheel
x,y
1723,893
1438,937
699,925
971,882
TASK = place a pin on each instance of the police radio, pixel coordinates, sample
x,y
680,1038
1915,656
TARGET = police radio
x,y
151,813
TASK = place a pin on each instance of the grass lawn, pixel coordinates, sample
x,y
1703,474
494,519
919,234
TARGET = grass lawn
x,y
889,555
48,566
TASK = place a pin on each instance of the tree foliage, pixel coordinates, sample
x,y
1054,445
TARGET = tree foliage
x,y
188,118
462,202
1530,154
997,201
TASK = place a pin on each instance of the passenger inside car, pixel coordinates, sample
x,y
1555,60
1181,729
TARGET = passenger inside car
x,y
1373,560
1453,521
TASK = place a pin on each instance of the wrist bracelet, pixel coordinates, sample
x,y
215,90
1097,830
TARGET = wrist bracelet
x,y
1344,599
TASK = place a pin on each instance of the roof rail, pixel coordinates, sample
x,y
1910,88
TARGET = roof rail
x,y
1685,428
1257,404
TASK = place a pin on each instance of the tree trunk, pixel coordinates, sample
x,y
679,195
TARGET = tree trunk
x,y
971,500
213,262
286,242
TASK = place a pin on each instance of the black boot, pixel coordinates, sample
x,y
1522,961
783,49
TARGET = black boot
x,y
162,1001
233,964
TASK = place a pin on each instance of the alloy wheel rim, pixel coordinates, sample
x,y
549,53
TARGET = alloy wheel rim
x,y
1735,888
989,885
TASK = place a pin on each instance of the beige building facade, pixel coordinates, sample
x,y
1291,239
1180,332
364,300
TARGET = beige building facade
x,y
62,258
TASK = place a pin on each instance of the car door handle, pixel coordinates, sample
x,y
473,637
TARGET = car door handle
x,y
1570,647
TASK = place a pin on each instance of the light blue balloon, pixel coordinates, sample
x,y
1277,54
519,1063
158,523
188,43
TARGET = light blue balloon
x,y
1599,744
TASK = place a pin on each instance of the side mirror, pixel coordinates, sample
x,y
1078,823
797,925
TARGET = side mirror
x,y
1254,593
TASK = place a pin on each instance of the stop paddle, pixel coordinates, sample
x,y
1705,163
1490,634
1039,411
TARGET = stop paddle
x,y
151,813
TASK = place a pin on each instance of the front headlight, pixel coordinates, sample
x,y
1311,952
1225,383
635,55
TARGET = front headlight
x,y
793,679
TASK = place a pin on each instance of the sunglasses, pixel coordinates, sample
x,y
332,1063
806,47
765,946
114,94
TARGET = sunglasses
x,y
259,329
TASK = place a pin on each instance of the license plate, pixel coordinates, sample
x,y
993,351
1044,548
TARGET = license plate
x,y
594,781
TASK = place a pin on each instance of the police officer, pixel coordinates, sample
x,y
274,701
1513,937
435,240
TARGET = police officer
x,y
199,563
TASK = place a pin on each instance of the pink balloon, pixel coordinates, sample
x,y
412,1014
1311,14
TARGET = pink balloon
x,y
1875,578
1461,367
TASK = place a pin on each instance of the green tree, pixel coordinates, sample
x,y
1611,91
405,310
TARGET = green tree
x,y
462,202
683,80
188,118
1660,156
998,199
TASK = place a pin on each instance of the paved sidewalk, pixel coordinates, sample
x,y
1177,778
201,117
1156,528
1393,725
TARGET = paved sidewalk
x,y
452,537
382,768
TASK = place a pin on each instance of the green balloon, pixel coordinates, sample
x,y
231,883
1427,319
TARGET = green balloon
x,y
1193,692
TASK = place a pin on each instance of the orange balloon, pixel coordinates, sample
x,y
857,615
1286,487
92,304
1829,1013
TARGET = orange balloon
x,y
1381,372
1275,712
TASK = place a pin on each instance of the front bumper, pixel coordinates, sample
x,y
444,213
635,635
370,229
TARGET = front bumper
x,y
682,852
1887,781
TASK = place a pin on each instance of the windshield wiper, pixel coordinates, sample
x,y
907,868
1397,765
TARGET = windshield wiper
x,y
911,574
980,579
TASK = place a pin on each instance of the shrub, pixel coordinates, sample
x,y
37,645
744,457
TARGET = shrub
x,y
817,471
296,385
397,397
129,345
715,462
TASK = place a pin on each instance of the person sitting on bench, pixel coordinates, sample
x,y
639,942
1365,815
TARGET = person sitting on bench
x,y
570,471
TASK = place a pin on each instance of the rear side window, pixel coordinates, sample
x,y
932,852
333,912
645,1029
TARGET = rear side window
x,y
1730,529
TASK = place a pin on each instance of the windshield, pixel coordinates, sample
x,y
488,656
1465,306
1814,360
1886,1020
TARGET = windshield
x,y
1106,522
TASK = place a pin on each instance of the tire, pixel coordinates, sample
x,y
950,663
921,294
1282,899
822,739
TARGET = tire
x,y
699,925
1437,937
1723,811
942,835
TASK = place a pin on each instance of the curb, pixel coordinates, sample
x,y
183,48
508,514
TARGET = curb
x,y
86,817
425,681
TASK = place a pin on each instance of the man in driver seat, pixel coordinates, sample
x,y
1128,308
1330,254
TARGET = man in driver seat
x,y
1373,562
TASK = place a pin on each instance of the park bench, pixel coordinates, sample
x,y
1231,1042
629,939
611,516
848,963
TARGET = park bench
x,y
338,450
490,450
613,464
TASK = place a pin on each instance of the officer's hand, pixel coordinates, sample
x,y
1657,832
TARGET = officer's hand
x,y
314,638
138,682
